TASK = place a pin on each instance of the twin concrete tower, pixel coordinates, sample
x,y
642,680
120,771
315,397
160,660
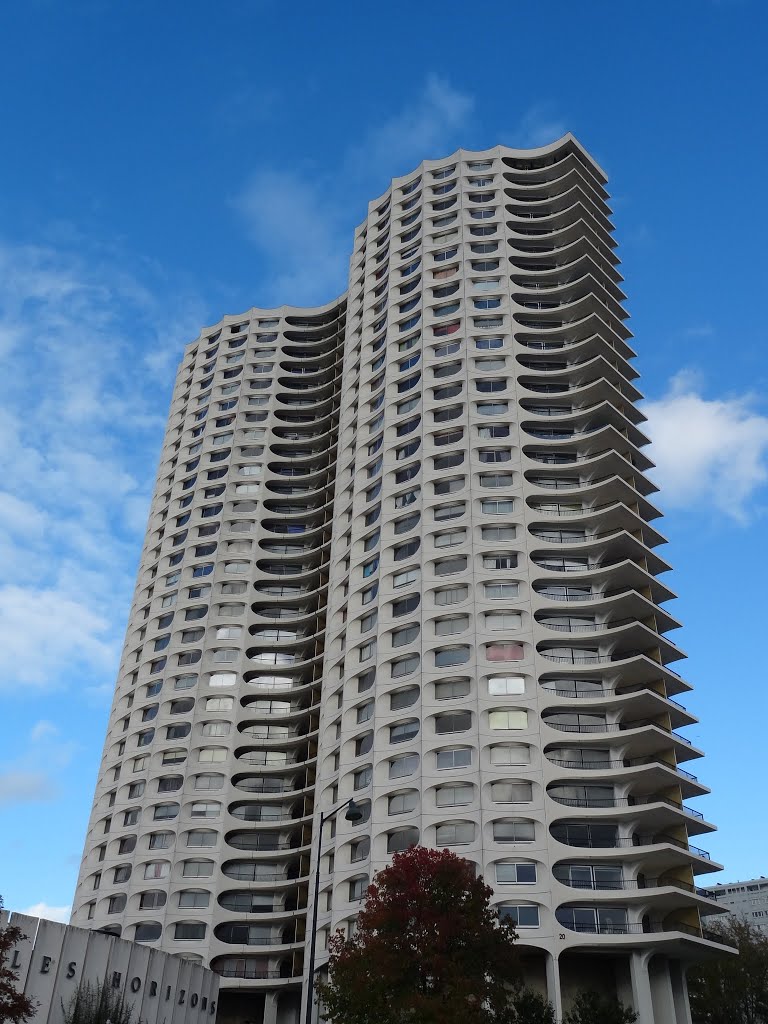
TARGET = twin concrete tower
x,y
401,548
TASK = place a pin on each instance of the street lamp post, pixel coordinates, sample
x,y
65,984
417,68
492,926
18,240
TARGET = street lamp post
x,y
353,814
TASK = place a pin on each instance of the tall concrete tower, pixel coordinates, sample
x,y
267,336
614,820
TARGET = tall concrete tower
x,y
401,549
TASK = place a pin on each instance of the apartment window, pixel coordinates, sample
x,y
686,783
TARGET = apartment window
x,y
451,625
515,872
451,595
364,744
443,512
205,809
367,651
504,652
456,757
501,591
500,561
362,779
365,712
402,839
503,620
407,523
508,719
156,869
406,499
514,831
493,409
522,916
366,680
401,579
400,767
455,795
446,566
403,636
451,689
359,850
448,656
201,837
170,783
197,898
504,686
455,834
402,803
510,754
197,868
512,792
149,931
403,732
357,888
165,811
405,605
449,486
403,698
152,899
368,621
454,721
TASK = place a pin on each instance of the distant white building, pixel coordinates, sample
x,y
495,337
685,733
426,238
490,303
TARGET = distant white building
x,y
747,900
55,958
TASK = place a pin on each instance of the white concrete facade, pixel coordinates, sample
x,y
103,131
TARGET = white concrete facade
x,y
401,549
52,960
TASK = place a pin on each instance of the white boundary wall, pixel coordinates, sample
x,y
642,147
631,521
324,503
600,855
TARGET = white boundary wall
x,y
54,958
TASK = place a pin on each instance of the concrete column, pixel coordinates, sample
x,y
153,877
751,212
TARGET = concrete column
x,y
679,984
270,1008
661,988
554,993
641,988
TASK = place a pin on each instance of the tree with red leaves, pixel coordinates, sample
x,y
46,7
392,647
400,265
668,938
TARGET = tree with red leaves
x,y
14,1005
428,949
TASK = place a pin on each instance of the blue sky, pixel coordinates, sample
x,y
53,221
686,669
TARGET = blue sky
x,y
167,163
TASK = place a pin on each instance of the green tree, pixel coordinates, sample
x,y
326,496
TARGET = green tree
x,y
594,1008
732,989
97,1004
15,1007
530,1007
428,948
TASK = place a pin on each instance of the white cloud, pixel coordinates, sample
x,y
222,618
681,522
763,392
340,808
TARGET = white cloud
x,y
42,630
297,223
423,130
709,452
88,350
42,730
22,787
538,126
699,331
60,914
302,221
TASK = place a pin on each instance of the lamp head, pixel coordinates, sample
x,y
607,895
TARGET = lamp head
x,y
353,812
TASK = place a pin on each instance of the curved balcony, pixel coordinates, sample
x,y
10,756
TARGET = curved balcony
x,y
571,194
576,225
650,771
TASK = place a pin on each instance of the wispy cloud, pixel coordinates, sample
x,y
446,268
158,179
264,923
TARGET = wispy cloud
x,y
704,330
302,222
711,453
539,125
24,780
45,910
425,129
81,417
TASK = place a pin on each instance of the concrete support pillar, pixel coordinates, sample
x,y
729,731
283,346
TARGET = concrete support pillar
x,y
679,984
270,1008
554,993
661,989
641,988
